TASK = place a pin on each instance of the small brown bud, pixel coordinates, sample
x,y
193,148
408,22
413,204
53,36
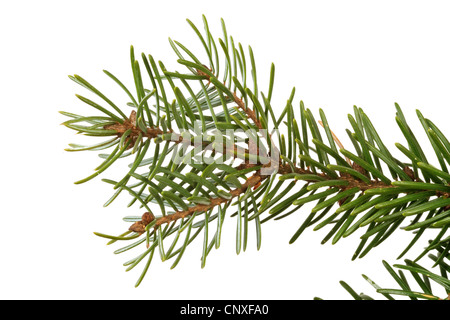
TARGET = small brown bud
x,y
138,227
409,172
147,218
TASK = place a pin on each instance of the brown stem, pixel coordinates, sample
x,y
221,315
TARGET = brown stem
x,y
249,112
254,181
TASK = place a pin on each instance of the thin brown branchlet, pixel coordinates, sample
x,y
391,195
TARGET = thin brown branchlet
x,y
253,182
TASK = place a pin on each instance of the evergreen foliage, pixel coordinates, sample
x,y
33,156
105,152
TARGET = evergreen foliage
x,y
190,135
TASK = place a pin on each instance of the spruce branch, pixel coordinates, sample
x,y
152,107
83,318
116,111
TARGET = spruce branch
x,y
202,143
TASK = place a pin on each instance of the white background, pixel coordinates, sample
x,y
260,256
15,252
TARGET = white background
x,y
336,53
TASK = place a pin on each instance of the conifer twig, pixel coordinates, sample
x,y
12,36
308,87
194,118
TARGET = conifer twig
x,y
194,174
